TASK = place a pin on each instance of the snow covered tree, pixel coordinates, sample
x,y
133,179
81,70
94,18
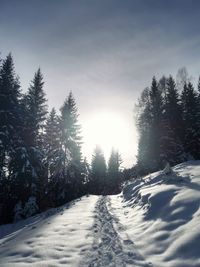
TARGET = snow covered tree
x,y
9,133
37,110
171,148
114,174
34,109
86,172
144,126
71,145
9,109
149,125
156,109
98,172
31,207
173,110
162,85
190,106
52,142
70,128
160,126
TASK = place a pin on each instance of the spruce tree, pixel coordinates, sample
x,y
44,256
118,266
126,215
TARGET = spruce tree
x,y
114,175
71,146
70,127
190,106
35,110
156,111
9,135
52,142
144,128
98,172
9,108
173,110
171,148
53,159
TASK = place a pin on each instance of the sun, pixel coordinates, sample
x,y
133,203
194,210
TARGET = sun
x,y
108,130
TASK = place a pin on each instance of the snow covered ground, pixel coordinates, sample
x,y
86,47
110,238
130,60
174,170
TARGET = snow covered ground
x,y
59,237
155,221
161,214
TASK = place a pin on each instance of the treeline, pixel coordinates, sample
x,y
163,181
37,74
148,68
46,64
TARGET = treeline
x,y
41,164
168,120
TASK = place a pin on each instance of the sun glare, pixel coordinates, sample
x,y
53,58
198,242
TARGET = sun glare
x,y
108,130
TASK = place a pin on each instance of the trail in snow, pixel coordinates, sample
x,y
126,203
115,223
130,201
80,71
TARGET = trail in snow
x,y
109,247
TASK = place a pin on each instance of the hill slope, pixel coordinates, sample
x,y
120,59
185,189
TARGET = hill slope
x,y
162,215
153,222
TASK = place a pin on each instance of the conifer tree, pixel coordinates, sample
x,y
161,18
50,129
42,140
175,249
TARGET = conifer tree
x,y
190,108
70,127
71,146
144,128
173,110
52,142
156,109
9,135
54,159
114,175
98,172
171,148
35,110
9,107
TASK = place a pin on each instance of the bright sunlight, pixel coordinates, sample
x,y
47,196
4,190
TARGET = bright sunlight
x,y
108,130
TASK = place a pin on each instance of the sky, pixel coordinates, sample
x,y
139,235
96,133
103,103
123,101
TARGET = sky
x,y
105,51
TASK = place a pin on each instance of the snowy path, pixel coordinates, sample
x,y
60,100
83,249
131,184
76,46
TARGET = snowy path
x,y
109,247
154,219
84,233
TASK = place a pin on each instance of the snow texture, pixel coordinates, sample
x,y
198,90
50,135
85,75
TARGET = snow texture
x,y
109,247
154,222
162,215
58,237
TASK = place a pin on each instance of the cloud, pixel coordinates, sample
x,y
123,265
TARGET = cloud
x,y
106,52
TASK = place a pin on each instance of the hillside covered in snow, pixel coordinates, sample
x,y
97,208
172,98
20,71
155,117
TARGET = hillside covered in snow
x,y
155,221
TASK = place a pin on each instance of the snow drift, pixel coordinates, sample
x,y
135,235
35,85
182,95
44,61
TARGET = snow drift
x,y
154,222
162,215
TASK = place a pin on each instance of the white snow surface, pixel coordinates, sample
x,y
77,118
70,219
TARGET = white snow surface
x,y
58,237
161,214
155,221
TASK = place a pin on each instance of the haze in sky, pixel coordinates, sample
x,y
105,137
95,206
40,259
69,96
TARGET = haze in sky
x,y
105,51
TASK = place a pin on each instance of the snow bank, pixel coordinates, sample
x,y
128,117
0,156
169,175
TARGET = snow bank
x,y
58,237
161,213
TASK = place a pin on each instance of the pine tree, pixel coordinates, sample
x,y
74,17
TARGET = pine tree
x,y
156,111
98,172
144,159
162,85
114,175
71,145
37,110
86,172
171,148
173,110
71,138
190,108
52,142
54,160
9,134
9,105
